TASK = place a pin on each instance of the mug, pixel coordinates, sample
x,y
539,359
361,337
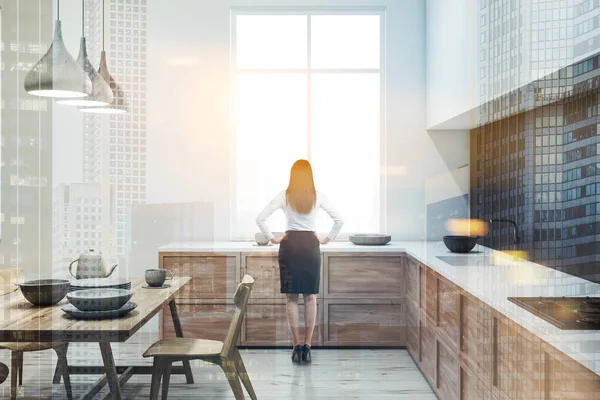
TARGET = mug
x,y
156,277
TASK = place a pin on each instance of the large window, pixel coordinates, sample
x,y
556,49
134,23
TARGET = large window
x,y
308,85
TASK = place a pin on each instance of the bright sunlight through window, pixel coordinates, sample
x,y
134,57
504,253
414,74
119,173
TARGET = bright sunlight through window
x,y
308,86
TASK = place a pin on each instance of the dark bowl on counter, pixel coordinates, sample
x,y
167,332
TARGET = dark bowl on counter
x,y
44,292
460,244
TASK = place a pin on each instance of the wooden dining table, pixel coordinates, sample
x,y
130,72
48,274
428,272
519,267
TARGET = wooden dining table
x,y
22,321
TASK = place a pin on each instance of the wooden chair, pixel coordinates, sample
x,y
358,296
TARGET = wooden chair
x,y
224,354
8,277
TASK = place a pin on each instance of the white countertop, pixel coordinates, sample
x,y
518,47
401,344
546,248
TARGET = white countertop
x,y
251,247
489,275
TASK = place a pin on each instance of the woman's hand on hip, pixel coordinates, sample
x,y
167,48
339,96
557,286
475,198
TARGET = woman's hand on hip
x,y
278,240
322,241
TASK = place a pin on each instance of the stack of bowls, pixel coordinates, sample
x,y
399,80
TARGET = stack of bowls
x,y
99,303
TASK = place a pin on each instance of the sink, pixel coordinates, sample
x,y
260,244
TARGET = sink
x,y
465,260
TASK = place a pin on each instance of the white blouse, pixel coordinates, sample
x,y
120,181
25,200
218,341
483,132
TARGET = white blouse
x,y
296,221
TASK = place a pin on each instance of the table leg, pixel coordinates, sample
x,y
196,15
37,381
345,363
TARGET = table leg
x,y
111,370
179,332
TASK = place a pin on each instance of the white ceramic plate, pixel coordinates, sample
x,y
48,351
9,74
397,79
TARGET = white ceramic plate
x,y
99,283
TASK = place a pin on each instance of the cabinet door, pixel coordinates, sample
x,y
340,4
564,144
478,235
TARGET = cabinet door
x,y
448,313
267,325
471,388
447,372
520,362
477,337
567,379
412,279
210,321
429,295
265,271
213,277
412,330
428,352
357,275
365,322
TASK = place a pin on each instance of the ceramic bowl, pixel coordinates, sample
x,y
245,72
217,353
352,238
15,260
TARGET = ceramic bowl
x,y
262,240
99,299
44,292
460,244
370,239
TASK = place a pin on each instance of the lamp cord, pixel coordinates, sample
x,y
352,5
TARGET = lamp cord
x,y
58,11
82,18
102,25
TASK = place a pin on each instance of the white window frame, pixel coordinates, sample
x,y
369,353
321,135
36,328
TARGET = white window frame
x,y
308,11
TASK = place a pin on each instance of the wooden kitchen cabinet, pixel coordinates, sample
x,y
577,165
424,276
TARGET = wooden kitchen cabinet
x,y
265,271
356,275
214,276
567,379
519,362
413,330
413,281
204,321
497,358
364,322
448,372
413,272
472,388
266,325
428,346
429,291
464,348
448,311
476,344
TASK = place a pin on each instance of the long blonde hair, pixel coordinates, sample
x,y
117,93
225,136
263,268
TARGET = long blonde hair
x,y
300,193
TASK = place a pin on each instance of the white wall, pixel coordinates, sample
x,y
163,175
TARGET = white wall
x,y
188,108
452,60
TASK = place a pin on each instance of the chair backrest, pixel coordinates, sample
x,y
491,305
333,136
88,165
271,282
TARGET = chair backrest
x,y
242,294
8,278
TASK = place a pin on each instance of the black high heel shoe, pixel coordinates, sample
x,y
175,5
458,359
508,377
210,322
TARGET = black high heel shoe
x,y
297,354
306,354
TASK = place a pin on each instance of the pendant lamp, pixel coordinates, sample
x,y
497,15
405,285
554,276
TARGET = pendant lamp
x,y
57,74
101,94
118,105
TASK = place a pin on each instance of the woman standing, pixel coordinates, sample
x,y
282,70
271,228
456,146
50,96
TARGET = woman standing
x,y
299,253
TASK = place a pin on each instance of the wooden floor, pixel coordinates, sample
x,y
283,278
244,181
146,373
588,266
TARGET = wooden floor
x,y
339,374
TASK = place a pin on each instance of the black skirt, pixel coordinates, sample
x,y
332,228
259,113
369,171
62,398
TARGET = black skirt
x,y
300,263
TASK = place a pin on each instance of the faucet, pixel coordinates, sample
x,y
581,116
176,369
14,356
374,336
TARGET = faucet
x,y
516,239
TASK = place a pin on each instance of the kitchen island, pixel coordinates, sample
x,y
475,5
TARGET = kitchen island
x,y
451,313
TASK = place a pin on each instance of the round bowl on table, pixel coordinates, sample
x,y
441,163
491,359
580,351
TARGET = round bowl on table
x,y
460,244
99,299
44,292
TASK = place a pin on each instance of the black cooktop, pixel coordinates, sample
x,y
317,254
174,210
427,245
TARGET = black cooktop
x,y
572,313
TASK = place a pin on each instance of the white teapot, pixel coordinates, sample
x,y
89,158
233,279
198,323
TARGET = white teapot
x,y
91,265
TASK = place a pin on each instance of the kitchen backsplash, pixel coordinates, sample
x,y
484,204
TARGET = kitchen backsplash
x,y
538,164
